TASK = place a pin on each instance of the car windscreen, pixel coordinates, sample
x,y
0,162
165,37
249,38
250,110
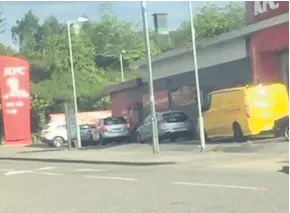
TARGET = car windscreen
x,y
174,117
114,121
45,127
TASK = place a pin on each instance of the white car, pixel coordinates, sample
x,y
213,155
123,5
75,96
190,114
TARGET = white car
x,y
54,134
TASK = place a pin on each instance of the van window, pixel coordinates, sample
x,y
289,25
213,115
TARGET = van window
x,y
206,103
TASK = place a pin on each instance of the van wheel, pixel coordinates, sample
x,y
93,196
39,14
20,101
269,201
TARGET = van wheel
x,y
286,132
238,133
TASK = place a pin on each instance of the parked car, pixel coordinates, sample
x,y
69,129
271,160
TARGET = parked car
x,y
86,136
54,134
244,111
282,127
171,125
111,129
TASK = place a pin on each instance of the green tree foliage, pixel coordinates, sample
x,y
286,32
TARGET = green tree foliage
x,y
211,21
2,22
96,49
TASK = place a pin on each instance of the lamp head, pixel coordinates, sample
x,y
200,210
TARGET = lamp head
x,y
82,19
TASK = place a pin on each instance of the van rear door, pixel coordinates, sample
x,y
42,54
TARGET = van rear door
x,y
267,103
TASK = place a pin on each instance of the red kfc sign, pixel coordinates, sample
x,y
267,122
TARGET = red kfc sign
x,y
261,10
15,96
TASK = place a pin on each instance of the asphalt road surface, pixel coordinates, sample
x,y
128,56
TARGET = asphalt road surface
x,y
34,187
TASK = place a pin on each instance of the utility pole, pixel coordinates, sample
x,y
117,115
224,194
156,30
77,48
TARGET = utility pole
x,y
121,64
155,139
200,123
79,20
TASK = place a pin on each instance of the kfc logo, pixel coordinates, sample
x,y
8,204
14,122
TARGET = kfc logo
x,y
261,7
14,71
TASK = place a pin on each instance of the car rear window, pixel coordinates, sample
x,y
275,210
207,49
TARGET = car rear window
x,y
83,127
115,120
174,117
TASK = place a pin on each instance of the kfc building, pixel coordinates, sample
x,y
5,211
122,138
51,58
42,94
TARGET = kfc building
x,y
256,53
269,47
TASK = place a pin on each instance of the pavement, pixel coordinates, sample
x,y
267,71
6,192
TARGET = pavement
x,y
48,187
222,154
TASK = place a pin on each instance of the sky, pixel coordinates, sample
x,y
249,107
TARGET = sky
x,y
63,11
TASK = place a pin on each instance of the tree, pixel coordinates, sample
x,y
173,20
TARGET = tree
x,y
2,22
211,21
46,47
111,35
6,50
25,33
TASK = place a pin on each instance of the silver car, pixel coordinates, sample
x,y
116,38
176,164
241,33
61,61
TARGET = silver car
x,y
111,129
171,125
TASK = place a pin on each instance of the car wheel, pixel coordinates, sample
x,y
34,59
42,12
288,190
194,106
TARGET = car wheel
x,y
58,141
91,139
129,139
139,138
102,141
286,132
238,133
190,136
173,139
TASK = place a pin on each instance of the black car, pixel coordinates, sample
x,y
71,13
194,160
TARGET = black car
x,y
282,127
85,130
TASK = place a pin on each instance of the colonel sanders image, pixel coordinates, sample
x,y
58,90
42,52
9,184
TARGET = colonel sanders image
x,y
14,90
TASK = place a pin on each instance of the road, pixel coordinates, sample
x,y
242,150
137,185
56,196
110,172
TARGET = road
x,y
34,187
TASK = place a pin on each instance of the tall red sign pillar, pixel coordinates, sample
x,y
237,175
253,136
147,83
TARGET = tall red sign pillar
x,y
15,100
264,45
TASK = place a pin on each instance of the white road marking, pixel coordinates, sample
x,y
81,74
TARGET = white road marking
x,y
45,168
5,170
110,177
87,170
49,173
17,172
220,186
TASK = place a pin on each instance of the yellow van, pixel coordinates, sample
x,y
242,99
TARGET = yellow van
x,y
244,111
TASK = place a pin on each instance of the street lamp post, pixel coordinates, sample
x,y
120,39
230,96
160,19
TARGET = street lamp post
x,y
121,65
69,23
201,126
155,139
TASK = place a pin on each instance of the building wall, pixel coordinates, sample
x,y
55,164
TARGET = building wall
x,y
125,99
207,57
264,46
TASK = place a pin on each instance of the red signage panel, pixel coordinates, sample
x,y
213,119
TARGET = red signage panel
x,y
15,96
261,10
160,97
271,39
